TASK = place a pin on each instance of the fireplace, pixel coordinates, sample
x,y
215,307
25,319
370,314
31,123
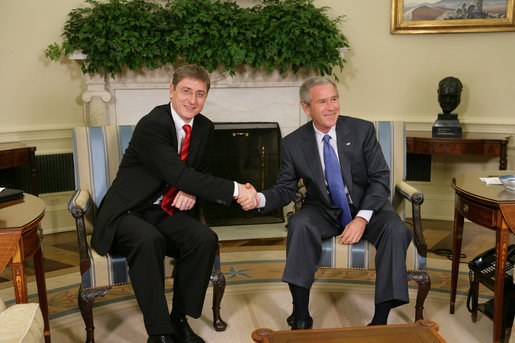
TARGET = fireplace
x,y
245,152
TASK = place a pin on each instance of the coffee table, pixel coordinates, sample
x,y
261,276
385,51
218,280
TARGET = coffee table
x,y
421,331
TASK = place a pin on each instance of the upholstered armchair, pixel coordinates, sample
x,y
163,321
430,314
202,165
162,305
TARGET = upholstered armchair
x,y
392,138
97,153
21,323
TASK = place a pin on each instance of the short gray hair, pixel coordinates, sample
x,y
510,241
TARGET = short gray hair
x,y
305,89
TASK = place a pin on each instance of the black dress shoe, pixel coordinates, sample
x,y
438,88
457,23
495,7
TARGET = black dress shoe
x,y
290,320
183,330
162,339
303,324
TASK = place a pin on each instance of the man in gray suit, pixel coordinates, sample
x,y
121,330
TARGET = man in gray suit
x,y
365,212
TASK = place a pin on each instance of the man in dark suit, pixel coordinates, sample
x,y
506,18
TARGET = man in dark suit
x,y
362,210
170,147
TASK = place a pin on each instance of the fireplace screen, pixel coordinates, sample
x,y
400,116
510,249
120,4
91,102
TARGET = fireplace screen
x,y
245,152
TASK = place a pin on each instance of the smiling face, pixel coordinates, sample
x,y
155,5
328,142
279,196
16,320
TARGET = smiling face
x,y
324,107
188,98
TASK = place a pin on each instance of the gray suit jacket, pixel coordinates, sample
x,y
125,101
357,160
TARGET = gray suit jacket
x,y
364,169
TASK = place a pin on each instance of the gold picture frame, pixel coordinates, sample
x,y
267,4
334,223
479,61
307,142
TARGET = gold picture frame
x,y
434,16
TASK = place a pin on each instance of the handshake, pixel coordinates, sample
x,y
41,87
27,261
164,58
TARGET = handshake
x,y
247,197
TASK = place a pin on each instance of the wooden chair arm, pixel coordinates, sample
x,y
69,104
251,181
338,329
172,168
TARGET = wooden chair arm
x,y
416,197
78,206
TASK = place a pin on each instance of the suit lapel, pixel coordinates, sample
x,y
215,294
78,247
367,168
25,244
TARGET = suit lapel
x,y
168,121
310,149
345,142
197,133
194,144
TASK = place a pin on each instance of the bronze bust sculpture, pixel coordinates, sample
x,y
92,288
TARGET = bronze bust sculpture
x,y
449,94
449,97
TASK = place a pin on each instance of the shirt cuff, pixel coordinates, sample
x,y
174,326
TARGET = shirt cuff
x,y
365,214
262,200
235,193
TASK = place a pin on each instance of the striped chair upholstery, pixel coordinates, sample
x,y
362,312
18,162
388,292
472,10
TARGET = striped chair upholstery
x,y
97,153
392,138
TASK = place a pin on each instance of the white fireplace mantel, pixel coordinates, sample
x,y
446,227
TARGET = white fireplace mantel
x,y
249,96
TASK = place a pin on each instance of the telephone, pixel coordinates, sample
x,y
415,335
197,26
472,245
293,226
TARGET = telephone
x,y
484,265
483,268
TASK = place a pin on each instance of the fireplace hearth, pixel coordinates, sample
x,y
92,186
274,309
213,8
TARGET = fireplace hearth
x,y
245,152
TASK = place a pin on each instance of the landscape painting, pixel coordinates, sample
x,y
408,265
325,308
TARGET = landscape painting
x,y
453,9
449,16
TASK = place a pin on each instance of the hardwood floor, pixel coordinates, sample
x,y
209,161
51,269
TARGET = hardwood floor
x,y
61,257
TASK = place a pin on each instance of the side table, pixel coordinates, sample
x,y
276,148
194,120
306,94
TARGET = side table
x,y
20,238
493,207
17,155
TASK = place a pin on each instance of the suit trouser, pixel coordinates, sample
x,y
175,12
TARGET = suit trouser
x,y
386,231
144,239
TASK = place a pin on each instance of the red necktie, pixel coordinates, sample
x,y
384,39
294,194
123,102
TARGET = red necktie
x,y
170,194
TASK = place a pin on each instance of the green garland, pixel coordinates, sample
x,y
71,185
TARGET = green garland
x,y
136,34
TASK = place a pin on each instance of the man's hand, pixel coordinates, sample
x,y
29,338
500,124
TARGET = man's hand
x,y
353,231
247,196
184,201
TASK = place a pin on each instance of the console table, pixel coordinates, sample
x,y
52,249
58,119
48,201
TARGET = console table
x,y
470,144
16,155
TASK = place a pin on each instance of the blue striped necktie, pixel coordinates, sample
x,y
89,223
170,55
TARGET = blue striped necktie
x,y
334,179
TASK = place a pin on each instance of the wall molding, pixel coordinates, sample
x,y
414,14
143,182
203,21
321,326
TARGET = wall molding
x,y
48,140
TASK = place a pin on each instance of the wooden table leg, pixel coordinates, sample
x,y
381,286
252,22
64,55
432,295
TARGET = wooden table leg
x,y
501,251
456,252
40,281
19,278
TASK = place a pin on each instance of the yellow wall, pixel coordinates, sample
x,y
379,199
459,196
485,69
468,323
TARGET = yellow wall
x,y
34,92
396,76
387,76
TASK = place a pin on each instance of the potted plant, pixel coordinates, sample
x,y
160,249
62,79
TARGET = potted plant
x,y
278,35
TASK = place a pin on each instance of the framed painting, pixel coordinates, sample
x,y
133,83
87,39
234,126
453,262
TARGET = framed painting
x,y
451,16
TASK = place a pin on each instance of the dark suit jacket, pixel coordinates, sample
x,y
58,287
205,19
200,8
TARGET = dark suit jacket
x,y
150,164
364,169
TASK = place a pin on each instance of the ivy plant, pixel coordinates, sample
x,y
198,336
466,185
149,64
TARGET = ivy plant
x,y
135,34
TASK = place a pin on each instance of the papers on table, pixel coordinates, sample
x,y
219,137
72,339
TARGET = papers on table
x,y
491,180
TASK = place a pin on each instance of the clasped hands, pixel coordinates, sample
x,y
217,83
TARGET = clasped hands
x,y
247,197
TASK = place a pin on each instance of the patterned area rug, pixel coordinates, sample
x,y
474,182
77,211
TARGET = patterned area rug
x,y
255,297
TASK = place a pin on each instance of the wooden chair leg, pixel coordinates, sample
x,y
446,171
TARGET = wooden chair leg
x,y
424,284
86,298
218,280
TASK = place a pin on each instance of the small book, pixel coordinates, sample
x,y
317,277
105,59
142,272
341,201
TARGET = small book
x,y
7,194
